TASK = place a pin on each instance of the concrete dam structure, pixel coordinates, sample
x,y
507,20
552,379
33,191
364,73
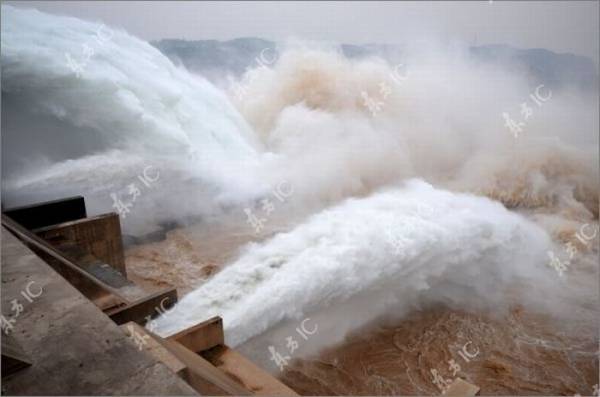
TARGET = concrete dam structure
x,y
73,324
196,214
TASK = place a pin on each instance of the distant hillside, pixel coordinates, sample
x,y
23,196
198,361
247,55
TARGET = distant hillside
x,y
543,66
211,58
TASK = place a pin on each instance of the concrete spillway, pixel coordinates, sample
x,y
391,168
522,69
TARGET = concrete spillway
x,y
73,348
73,322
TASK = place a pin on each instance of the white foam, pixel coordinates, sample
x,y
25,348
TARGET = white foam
x,y
394,248
130,97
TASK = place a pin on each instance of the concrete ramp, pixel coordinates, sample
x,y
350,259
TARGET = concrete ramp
x,y
73,347
199,355
65,292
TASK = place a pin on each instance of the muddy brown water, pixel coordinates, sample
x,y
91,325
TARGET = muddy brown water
x,y
519,353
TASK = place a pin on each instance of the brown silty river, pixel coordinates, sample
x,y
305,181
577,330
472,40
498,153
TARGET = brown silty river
x,y
517,351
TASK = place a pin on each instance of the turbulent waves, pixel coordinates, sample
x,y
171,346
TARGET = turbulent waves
x,y
402,245
398,248
86,108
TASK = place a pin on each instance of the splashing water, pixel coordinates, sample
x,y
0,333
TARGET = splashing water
x,y
66,82
399,247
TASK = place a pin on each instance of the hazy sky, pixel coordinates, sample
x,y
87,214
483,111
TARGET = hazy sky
x,y
562,26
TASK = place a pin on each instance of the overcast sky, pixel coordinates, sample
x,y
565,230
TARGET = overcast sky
x,y
562,26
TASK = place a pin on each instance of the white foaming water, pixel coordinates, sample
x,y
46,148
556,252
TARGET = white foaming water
x,y
440,119
345,265
126,87
128,97
309,112
397,248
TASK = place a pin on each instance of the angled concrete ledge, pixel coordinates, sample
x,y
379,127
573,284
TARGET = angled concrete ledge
x,y
73,347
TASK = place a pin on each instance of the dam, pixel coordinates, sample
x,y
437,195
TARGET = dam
x,y
349,219
73,324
